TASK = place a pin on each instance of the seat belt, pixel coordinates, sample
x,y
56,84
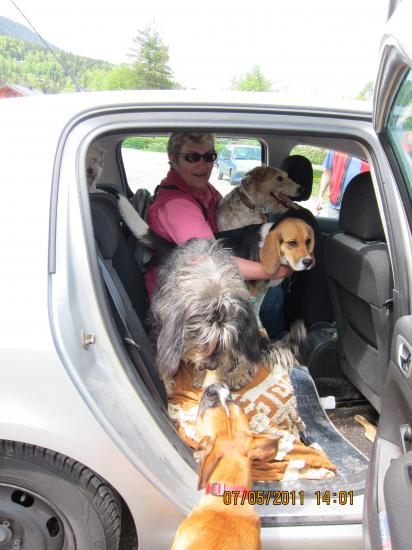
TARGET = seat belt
x,y
155,386
117,300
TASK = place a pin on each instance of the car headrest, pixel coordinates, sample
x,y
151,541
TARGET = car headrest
x,y
299,170
359,214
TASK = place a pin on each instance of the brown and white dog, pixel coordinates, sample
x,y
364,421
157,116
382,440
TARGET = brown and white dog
x,y
264,189
226,451
290,242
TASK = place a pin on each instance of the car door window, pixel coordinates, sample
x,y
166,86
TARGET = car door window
x,y
399,130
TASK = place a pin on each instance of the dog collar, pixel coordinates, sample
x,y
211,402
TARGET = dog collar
x,y
250,203
217,489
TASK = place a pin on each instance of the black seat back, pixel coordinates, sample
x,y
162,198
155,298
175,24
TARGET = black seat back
x,y
360,279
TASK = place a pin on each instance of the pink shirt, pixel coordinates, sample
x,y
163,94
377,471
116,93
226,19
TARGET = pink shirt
x,y
178,220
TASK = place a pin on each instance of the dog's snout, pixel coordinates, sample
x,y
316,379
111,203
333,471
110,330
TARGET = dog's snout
x,y
307,262
213,390
300,189
89,171
214,395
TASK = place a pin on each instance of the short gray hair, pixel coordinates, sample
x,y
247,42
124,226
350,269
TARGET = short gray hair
x,y
178,139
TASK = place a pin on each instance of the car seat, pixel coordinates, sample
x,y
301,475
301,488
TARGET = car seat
x,y
360,279
126,290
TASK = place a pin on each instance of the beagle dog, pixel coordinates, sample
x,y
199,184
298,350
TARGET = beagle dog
x,y
264,189
290,242
224,518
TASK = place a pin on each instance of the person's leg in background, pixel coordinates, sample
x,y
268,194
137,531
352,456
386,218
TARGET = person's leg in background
x,y
271,312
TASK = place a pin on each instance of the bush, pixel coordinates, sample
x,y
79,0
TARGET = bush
x,y
316,155
145,143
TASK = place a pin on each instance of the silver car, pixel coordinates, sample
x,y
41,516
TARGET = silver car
x,y
89,458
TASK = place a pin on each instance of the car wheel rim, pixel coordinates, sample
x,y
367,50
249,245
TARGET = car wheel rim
x,y
30,521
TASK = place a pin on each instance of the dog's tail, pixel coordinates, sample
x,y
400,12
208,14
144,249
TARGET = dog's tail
x,y
140,228
288,351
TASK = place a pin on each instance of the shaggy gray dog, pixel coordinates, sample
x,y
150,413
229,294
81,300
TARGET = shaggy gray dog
x,y
202,314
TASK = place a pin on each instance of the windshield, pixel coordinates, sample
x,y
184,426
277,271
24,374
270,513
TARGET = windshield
x,y
247,153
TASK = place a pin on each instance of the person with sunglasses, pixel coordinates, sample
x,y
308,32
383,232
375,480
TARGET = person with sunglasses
x,y
184,206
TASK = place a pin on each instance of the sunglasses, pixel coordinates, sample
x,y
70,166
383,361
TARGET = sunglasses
x,y
210,156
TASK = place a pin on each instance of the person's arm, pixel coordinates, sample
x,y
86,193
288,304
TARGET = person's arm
x,y
324,184
253,271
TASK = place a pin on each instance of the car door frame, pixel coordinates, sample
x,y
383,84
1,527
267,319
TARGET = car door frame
x,y
388,487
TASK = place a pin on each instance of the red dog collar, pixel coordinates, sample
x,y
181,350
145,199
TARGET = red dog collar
x,y
217,489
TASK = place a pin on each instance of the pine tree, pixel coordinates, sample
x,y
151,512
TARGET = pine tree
x,y
151,68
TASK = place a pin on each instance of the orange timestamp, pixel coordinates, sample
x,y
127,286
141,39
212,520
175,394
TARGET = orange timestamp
x,y
285,498
276,498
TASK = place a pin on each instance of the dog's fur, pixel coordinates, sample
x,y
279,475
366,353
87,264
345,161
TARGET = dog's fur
x,y
94,165
226,451
202,314
290,242
264,189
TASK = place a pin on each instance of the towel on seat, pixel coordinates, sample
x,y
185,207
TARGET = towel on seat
x,y
270,405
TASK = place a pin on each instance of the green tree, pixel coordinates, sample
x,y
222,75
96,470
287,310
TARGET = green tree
x,y
151,69
366,92
253,81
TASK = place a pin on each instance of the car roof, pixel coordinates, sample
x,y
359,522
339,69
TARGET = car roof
x,y
69,105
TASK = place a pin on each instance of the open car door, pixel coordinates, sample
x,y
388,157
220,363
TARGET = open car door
x,y
388,499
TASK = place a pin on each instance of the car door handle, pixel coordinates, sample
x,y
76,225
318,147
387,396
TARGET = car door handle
x,y
404,358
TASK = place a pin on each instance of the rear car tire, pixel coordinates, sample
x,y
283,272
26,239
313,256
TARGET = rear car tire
x,y
232,177
50,501
219,174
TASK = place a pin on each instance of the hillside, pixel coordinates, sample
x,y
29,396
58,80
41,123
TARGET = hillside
x,y
20,32
25,60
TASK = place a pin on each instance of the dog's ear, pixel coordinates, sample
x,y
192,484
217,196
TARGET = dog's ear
x,y
256,175
312,239
170,344
262,447
209,459
270,252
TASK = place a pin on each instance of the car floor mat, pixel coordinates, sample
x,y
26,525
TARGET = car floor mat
x,y
351,464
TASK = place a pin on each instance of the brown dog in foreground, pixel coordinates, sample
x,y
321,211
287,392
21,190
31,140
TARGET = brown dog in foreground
x,y
226,451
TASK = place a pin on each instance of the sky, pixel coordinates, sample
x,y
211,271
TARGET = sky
x,y
318,47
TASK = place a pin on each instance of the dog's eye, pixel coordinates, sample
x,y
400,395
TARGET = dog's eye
x,y
279,178
307,242
292,244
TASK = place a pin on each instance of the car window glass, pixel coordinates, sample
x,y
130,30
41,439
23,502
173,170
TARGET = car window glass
x,y
399,130
316,155
235,158
146,163
332,172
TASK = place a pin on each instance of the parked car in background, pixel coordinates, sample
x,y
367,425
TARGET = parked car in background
x,y
88,452
236,159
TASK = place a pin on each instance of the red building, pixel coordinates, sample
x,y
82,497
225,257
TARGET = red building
x,y
15,90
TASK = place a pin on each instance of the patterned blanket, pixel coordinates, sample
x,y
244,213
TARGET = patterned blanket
x,y
270,405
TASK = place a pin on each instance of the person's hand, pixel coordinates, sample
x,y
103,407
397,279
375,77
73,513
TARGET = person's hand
x,y
319,205
282,272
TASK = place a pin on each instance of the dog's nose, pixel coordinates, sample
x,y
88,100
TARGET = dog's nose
x,y
307,262
89,171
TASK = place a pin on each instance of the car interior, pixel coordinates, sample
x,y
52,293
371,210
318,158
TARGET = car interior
x,y
346,306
